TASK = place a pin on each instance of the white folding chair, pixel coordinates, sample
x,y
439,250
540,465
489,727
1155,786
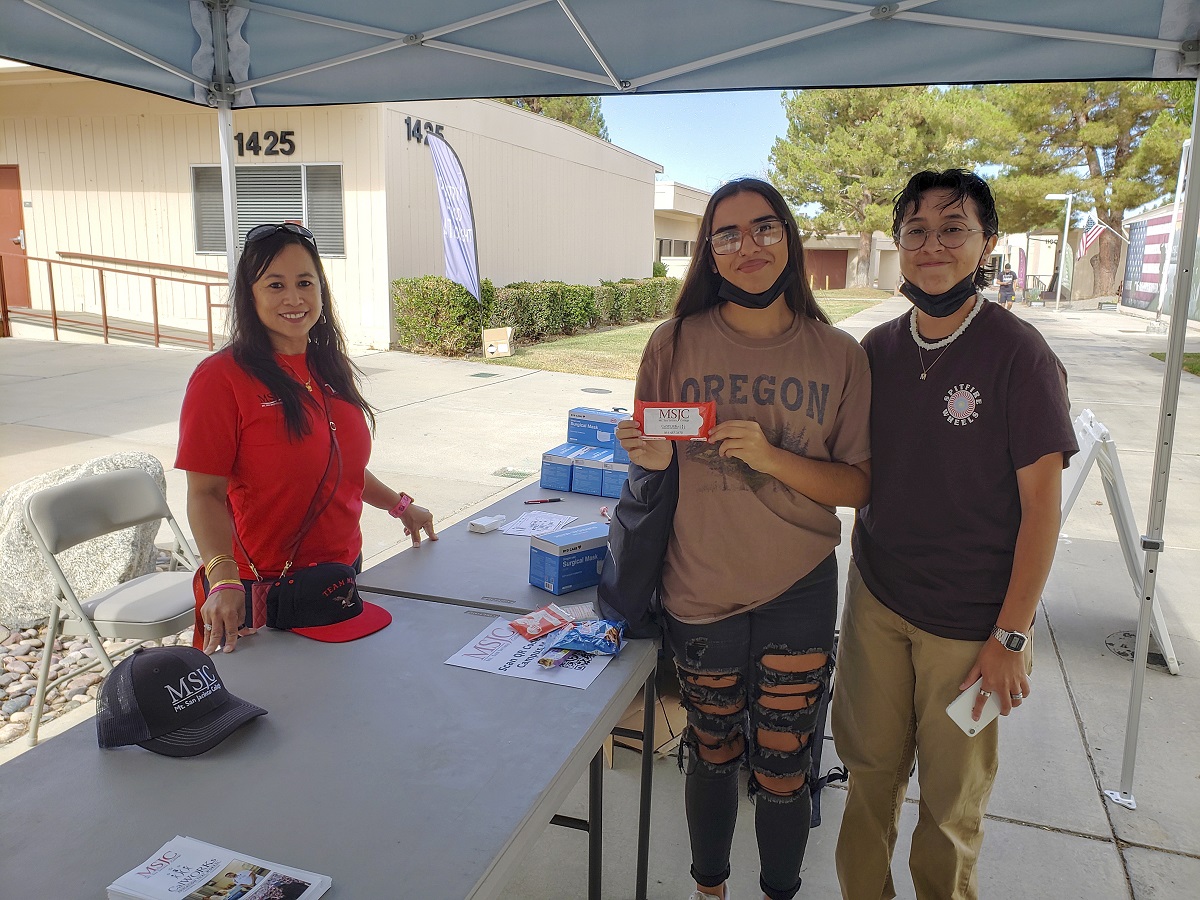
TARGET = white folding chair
x,y
147,608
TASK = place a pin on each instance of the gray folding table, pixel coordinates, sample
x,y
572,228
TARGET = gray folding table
x,y
378,765
488,571
491,572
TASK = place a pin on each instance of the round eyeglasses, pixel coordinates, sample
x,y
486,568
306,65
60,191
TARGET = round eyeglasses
x,y
258,232
949,236
766,233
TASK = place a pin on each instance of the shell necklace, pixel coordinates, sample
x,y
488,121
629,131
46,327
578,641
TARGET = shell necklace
x,y
944,343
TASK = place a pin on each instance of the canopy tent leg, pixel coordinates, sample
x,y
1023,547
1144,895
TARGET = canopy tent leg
x,y
1152,540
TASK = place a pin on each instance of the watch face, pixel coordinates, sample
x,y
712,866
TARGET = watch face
x,y
1015,642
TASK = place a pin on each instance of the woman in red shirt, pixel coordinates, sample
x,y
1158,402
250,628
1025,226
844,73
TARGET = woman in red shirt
x,y
256,435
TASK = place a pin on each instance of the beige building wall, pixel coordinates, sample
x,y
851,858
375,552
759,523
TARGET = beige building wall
x,y
107,171
550,201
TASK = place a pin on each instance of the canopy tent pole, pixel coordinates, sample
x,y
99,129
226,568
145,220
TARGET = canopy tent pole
x,y
221,93
1152,540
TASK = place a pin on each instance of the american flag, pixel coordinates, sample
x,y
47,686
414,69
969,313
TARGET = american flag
x,y
1146,260
1092,229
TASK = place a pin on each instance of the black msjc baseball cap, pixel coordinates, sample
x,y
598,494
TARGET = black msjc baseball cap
x,y
169,700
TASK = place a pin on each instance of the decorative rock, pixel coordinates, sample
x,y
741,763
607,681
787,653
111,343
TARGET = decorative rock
x,y
75,692
7,678
70,705
21,715
4,633
16,666
16,690
26,585
13,730
15,704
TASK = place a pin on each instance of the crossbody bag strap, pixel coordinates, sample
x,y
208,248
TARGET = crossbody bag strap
x,y
312,513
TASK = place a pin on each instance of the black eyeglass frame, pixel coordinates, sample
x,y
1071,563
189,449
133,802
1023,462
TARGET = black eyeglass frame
x,y
260,232
741,234
967,232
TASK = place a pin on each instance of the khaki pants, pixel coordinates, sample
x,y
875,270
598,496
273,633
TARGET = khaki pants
x,y
892,686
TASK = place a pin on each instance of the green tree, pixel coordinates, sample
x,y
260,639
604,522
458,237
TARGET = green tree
x,y
848,153
581,112
1107,143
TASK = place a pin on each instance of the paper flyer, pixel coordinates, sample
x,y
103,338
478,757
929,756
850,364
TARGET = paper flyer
x,y
535,523
500,650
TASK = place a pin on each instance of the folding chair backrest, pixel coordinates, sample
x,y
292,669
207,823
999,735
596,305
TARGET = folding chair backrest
x,y
77,511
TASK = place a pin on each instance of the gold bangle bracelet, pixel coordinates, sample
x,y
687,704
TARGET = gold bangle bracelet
x,y
234,581
217,560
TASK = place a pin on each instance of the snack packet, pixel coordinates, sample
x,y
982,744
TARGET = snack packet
x,y
675,421
541,622
599,636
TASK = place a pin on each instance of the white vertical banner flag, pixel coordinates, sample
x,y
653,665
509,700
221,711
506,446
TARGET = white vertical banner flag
x,y
458,223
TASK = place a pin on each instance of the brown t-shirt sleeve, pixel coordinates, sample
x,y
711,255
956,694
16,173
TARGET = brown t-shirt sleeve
x,y
1039,391
850,437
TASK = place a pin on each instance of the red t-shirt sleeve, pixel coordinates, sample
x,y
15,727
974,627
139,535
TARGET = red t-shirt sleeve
x,y
208,421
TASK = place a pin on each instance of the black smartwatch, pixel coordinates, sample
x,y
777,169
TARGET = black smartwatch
x,y
1011,640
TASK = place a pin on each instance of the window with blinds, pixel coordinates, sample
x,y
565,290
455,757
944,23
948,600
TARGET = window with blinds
x,y
311,194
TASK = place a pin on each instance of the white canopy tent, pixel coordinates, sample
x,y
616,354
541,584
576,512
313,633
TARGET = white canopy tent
x,y
233,53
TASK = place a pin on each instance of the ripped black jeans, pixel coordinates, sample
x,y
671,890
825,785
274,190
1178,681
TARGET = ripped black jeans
x,y
751,684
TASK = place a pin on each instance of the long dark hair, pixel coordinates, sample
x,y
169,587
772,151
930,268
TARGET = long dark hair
x,y
700,285
251,346
960,186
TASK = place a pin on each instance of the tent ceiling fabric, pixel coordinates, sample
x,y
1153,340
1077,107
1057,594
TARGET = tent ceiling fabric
x,y
381,50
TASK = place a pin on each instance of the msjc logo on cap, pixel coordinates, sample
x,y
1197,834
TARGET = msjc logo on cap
x,y
169,700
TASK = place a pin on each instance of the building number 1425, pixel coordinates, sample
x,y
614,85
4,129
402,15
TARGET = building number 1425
x,y
276,143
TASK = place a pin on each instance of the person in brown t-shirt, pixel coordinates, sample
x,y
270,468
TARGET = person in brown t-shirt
x,y
971,430
749,579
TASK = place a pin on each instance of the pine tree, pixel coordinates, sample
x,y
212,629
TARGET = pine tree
x,y
580,112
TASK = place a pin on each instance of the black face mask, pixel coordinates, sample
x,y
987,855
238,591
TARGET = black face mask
x,y
946,304
735,294
940,305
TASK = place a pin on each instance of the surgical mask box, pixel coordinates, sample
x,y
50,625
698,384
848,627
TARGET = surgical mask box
x,y
588,474
569,559
615,474
594,427
557,465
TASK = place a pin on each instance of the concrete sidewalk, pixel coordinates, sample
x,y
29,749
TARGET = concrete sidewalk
x,y
456,434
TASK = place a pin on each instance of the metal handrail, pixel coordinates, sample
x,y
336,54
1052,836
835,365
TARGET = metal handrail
x,y
106,326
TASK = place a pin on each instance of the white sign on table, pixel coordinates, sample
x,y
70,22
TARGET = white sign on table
x,y
501,650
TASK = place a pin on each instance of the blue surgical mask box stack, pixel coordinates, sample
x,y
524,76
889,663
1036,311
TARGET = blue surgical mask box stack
x,y
569,559
615,475
557,465
588,474
597,428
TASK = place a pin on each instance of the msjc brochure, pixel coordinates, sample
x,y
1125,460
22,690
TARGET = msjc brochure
x,y
188,869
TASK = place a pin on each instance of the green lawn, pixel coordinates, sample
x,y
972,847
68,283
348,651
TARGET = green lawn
x,y
1191,361
616,352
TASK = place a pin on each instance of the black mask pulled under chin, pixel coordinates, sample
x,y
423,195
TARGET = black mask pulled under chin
x,y
940,305
735,294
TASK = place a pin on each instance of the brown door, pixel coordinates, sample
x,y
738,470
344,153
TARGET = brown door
x,y
15,283
826,268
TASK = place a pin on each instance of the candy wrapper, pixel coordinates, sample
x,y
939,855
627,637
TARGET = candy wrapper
x,y
599,637
541,622
675,421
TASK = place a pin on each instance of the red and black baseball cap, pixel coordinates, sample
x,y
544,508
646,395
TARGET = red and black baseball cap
x,y
169,700
323,603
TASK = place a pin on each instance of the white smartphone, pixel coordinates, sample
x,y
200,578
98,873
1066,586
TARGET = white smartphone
x,y
960,710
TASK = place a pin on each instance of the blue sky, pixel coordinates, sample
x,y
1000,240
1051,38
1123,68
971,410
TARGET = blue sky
x,y
699,139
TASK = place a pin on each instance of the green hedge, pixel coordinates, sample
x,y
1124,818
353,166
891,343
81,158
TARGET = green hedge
x,y
434,314
437,315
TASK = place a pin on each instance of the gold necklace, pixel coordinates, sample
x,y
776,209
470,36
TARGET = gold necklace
x,y
307,384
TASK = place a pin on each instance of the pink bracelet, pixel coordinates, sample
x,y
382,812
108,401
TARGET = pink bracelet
x,y
402,504
227,587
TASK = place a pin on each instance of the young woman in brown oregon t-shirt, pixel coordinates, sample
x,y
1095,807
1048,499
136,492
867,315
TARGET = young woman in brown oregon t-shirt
x,y
971,429
749,578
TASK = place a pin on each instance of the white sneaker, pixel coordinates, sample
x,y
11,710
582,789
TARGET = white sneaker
x,y
700,895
